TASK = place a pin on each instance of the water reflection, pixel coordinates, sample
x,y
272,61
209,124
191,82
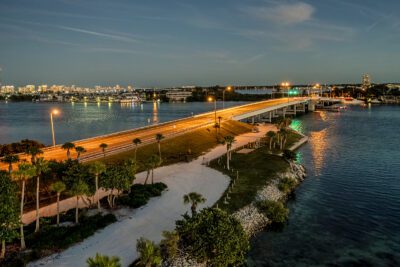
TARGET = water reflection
x,y
319,144
155,112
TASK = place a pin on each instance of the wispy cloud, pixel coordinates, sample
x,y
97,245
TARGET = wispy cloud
x,y
285,14
99,34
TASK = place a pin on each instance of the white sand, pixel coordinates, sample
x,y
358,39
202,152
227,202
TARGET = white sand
x,y
119,239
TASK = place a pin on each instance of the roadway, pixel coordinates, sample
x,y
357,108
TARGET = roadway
x,y
122,141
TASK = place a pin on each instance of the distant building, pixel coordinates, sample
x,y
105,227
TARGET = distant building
x,y
366,82
178,95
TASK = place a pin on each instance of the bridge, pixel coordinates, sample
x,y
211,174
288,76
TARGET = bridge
x,y
263,111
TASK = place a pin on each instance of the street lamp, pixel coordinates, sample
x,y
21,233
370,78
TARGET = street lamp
x,y
229,88
210,99
55,112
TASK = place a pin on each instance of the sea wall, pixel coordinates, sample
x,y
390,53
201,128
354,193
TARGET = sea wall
x,y
250,217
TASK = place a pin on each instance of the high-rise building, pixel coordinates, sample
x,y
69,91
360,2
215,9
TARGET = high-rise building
x,y
366,82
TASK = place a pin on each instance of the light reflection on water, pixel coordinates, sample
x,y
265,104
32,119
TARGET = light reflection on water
x,y
347,212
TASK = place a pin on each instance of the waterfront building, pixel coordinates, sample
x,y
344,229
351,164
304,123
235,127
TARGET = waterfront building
x,y
178,95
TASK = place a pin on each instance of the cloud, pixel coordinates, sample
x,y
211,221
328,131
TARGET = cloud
x,y
100,34
285,14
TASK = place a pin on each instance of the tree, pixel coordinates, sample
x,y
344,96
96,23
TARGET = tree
x,y
8,211
103,147
159,137
194,199
33,151
283,132
149,252
41,166
271,135
96,168
68,146
117,178
103,261
10,159
229,140
137,142
213,237
25,172
58,187
79,150
153,162
78,189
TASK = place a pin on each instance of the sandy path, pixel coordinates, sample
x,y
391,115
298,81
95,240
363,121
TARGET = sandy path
x,y
119,239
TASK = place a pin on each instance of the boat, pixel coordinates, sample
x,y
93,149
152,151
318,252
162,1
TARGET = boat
x,y
130,98
351,101
374,101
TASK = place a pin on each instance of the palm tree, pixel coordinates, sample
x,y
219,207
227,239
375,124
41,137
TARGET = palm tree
x,y
25,172
97,168
79,150
68,146
79,189
271,136
103,261
41,166
58,187
33,151
150,254
283,133
154,161
10,159
229,140
194,199
159,137
136,141
103,147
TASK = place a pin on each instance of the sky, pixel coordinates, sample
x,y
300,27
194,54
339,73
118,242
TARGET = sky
x,y
185,42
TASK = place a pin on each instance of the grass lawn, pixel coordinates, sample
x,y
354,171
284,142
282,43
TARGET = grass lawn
x,y
256,169
184,147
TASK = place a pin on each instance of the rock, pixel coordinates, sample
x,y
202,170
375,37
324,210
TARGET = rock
x,y
251,219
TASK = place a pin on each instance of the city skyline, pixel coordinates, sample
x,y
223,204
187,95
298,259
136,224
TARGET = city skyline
x,y
180,42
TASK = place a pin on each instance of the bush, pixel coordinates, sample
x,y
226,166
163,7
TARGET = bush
x,y
289,155
286,184
56,238
274,210
214,237
141,193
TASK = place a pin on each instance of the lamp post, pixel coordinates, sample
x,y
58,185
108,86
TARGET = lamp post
x,y
210,99
55,112
223,95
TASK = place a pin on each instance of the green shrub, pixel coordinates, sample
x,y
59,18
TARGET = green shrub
x,y
55,238
289,155
140,194
286,184
213,236
274,210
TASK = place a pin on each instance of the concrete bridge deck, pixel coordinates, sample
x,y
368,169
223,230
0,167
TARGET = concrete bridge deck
x,y
122,141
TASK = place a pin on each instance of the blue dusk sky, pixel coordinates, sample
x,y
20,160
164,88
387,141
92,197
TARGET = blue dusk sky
x,y
202,42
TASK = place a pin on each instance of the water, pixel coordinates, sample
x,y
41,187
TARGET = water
x,y
77,121
347,212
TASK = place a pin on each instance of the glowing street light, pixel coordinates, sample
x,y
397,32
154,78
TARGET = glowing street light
x,y
53,112
229,88
210,99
